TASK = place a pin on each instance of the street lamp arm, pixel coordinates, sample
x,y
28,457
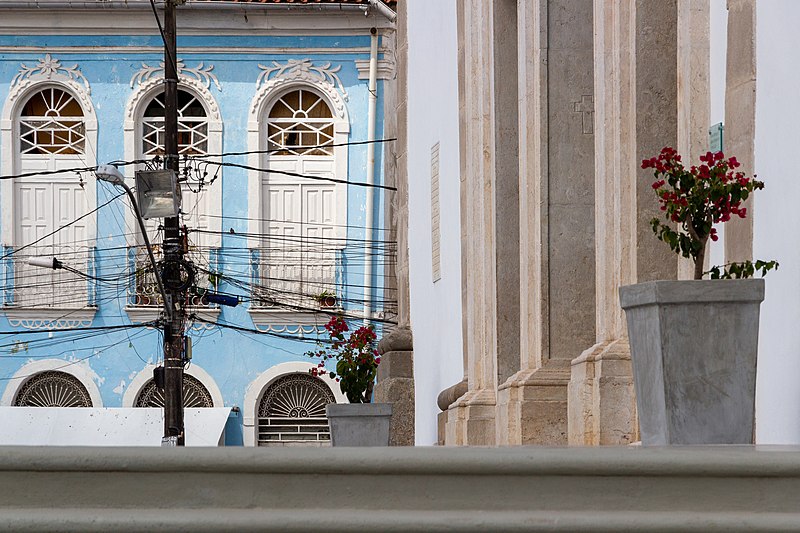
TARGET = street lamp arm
x,y
112,175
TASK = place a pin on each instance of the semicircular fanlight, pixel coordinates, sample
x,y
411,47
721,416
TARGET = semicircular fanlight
x,y
53,389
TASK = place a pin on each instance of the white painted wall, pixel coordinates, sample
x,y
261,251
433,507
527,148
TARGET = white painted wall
x,y
777,220
432,118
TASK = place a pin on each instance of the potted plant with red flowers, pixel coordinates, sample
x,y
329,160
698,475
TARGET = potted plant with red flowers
x,y
694,343
360,422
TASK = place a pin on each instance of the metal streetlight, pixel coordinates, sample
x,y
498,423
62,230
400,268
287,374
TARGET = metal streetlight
x,y
111,174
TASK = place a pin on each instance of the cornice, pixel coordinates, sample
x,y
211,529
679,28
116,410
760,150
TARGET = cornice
x,y
204,22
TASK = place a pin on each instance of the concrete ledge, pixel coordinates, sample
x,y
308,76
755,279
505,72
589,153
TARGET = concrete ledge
x,y
400,489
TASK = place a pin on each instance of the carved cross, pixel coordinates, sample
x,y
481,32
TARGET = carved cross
x,y
586,108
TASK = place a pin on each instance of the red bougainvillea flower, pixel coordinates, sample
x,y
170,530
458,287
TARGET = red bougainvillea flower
x,y
356,359
695,199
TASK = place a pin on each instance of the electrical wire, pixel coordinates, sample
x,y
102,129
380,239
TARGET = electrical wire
x,y
318,146
304,176
68,224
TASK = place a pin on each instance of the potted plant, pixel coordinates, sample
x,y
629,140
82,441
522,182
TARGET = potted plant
x,y
694,343
358,423
326,300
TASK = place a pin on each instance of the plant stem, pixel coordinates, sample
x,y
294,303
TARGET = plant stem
x,y
699,261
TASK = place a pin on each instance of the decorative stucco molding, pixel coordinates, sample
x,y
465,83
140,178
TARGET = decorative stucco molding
x,y
288,322
302,71
50,69
153,85
42,318
200,73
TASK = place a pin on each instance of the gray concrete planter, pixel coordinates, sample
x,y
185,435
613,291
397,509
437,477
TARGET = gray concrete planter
x,y
693,347
359,424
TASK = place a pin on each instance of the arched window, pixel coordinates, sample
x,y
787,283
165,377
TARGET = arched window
x,y
292,410
301,215
52,122
53,389
195,394
192,126
52,137
300,123
193,140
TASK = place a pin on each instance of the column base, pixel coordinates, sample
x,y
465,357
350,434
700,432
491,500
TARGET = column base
x,y
532,408
471,420
395,384
602,400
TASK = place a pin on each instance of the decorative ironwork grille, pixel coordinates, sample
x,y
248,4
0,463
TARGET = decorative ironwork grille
x,y
52,123
143,290
192,126
195,394
298,120
297,276
292,410
53,389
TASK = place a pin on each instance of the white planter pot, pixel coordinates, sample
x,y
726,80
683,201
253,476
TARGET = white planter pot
x,y
359,424
693,347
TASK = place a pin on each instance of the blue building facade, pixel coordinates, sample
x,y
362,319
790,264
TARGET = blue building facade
x,y
260,88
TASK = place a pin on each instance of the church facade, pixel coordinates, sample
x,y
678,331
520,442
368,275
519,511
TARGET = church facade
x,y
536,209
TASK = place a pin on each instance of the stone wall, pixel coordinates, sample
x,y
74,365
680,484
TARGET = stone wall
x,y
399,489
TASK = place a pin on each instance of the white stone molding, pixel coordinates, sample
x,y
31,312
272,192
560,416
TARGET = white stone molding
x,y
80,370
43,318
47,73
257,387
148,84
386,69
272,83
146,374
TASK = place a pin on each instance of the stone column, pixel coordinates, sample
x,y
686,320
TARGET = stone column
x,y
448,396
740,116
694,91
507,258
470,419
636,47
395,383
556,158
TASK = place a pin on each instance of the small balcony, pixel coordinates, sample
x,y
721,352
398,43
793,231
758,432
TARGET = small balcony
x,y
293,286
35,297
144,300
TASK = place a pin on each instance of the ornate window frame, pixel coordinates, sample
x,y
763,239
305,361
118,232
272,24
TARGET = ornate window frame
x,y
80,371
47,73
147,83
273,82
141,379
258,386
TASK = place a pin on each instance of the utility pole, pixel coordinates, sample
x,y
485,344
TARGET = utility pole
x,y
174,263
